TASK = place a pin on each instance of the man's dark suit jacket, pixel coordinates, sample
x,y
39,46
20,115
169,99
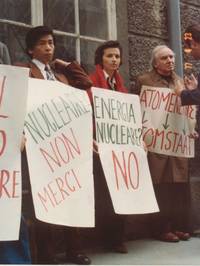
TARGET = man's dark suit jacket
x,y
191,97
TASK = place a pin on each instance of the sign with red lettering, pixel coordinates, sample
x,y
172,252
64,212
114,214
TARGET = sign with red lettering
x,y
13,94
124,161
58,128
167,126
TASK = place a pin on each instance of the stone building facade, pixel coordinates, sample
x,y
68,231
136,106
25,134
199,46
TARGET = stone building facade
x,y
148,27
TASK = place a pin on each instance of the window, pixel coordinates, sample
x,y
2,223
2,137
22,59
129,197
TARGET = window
x,y
80,26
19,10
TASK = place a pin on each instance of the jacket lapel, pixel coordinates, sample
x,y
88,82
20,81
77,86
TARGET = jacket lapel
x,y
35,72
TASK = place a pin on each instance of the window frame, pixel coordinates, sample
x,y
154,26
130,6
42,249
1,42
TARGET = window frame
x,y
37,19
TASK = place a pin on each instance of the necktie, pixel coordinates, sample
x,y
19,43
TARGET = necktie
x,y
111,84
49,74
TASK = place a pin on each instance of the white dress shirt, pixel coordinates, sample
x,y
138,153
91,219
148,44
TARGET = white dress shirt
x,y
42,67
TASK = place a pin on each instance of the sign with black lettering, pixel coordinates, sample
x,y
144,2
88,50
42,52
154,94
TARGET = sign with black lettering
x,y
58,127
118,126
13,94
167,126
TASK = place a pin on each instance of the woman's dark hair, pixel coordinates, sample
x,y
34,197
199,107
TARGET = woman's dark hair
x,y
35,34
100,50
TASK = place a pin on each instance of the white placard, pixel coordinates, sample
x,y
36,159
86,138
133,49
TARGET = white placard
x,y
58,127
13,96
167,126
119,136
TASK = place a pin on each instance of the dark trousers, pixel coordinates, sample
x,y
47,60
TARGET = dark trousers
x,y
51,239
109,225
46,239
174,204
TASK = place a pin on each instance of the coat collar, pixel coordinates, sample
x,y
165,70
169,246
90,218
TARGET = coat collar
x,y
35,71
161,79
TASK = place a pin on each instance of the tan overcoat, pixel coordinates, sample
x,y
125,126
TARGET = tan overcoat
x,y
163,168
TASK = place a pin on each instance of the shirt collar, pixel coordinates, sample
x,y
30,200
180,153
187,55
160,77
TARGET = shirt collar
x,y
39,64
107,77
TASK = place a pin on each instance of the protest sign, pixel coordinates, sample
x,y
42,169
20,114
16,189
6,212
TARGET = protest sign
x,y
58,128
13,94
124,161
167,126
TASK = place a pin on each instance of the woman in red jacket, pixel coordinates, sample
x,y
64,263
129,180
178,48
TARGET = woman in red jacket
x,y
108,59
110,226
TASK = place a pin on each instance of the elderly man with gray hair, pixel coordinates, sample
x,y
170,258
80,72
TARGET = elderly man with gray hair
x,y
169,173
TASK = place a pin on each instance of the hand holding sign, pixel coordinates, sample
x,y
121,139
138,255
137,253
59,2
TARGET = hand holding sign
x,y
95,147
191,82
23,142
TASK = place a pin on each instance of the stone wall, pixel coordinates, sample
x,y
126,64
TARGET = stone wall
x,y
122,36
148,27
